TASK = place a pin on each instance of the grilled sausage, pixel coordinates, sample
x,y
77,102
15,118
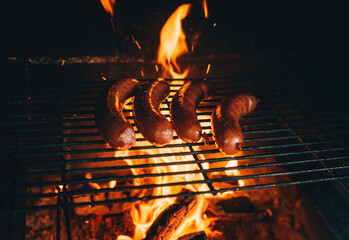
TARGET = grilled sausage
x,y
146,110
183,109
225,121
109,117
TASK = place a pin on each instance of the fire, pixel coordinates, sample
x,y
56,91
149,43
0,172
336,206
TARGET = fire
x,y
94,185
204,7
235,172
172,42
109,6
172,45
144,213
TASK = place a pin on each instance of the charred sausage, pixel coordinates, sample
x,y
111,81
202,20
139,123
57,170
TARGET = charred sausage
x,y
183,109
109,117
225,121
146,110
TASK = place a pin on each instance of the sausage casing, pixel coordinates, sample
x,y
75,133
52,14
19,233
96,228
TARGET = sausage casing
x,y
183,109
109,117
154,126
225,121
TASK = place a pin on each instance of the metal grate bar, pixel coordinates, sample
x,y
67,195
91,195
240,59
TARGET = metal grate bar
x,y
205,181
133,199
47,183
297,135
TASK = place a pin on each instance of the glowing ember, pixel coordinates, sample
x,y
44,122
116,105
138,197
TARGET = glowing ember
x,y
136,42
208,68
172,42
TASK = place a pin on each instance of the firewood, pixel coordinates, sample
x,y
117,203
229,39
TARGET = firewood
x,y
171,218
194,236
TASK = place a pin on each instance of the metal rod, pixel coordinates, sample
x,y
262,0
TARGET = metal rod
x,y
209,184
135,199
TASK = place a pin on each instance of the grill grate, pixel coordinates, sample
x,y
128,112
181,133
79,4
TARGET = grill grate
x,y
297,134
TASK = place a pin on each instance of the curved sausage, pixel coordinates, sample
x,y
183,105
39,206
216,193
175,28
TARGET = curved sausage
x,y
146,110
109,117
183,109
225,121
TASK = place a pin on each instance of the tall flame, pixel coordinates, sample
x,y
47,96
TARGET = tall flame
x,y
109,6
172,42
172,45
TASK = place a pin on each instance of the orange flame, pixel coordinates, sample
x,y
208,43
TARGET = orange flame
x,y
172,45
204,7
144,213
109,6
94,185
172,42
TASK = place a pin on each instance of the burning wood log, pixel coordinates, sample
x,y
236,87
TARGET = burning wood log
x,y
194,236
170,219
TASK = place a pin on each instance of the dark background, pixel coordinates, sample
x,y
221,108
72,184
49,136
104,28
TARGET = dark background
x,y
317,31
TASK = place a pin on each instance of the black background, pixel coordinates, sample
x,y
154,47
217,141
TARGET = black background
x,y
315,30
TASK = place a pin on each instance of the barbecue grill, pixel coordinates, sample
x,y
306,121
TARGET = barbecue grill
x,y
297,135
61,180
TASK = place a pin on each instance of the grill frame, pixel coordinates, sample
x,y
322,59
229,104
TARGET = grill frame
x,y
60,117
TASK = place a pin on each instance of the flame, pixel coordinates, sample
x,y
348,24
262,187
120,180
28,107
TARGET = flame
x,y
94,185
232,163
172,42
172,45
123,237
204,7
109,6
144,213
234,172
112,184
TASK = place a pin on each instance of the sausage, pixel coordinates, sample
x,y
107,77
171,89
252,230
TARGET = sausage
x,y
225,121
183,109
154,126
109,117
